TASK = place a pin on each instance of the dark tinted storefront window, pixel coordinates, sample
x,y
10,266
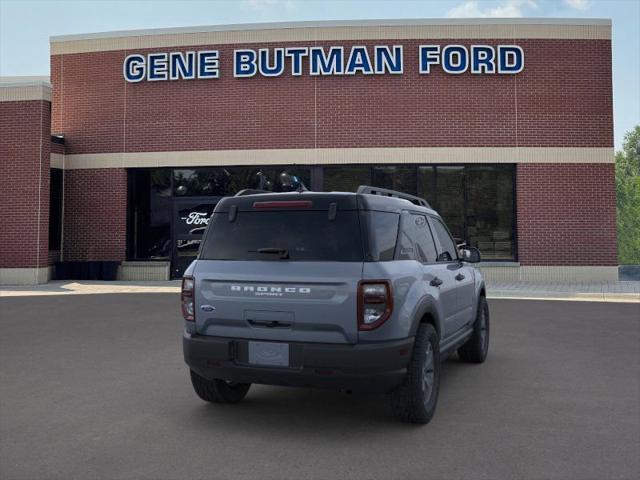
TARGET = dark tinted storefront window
x,y
450,199
201,181
490,215
55,209
346,178
155,193
395,177
149,230
190,222
476,201
223,181
427,183
349,177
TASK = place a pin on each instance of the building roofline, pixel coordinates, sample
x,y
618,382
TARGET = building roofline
x,y
25,81
24,89
333,23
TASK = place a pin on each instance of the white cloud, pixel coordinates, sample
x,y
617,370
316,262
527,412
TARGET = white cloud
x,y
508,8
266,4
578,4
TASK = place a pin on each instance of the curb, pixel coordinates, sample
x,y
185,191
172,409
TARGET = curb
x,y
566,297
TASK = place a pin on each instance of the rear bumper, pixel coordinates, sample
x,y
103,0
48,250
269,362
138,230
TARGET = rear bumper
x,y
375,367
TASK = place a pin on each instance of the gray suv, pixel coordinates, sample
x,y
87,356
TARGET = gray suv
x,y
361,291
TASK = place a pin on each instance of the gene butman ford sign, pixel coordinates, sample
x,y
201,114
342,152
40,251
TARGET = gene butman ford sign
x,y
327,61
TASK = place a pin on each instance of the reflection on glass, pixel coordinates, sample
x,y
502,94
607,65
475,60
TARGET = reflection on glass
x,y
149,228
426,184
346,178
188,248
55,209
450,199
476,201
226,181
490,210
395,177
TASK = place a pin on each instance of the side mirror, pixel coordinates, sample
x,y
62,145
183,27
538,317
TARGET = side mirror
x,y
470,254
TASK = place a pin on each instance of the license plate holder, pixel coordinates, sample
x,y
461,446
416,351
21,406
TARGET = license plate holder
x,y
269,354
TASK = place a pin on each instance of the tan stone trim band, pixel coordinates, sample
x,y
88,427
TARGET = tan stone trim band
x,y
549,273
512,29
57,160
24,276
23,93
341,156
144,271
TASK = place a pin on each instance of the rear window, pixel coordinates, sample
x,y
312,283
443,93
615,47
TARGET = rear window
x,y
284,236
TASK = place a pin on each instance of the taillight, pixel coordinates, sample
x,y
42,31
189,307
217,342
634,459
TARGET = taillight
x,y
375,303
187,298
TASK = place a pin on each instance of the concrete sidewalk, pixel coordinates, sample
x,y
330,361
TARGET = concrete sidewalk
x,y
594,292
83,287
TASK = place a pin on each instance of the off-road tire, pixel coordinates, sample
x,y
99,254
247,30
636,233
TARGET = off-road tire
x,y
218,391
475,349
413,401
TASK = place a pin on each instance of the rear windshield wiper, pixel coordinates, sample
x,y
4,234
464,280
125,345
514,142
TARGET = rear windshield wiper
x,y
283,252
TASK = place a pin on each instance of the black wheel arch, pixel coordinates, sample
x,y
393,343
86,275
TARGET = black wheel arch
x,y
427,313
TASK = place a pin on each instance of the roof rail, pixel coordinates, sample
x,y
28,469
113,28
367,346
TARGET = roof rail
x,y
393,193
250,191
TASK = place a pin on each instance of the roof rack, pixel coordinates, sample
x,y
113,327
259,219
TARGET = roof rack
x,y
250,191
393,193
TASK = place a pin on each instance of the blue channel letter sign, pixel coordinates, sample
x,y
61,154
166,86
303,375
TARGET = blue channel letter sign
x,y
324,61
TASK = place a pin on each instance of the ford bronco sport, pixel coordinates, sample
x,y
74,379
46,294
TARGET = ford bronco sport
x,y
361,291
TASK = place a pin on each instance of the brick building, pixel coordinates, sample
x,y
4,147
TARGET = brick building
x,y
505,126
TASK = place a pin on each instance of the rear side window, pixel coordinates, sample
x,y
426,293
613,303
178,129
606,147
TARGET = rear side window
x,y
447,247
284,236
416,242
382,234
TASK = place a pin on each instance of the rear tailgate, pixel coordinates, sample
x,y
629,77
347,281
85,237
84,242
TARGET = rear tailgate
x,y
283,301
281,267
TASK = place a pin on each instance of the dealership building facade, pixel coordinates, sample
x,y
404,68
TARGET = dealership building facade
x,y
504,126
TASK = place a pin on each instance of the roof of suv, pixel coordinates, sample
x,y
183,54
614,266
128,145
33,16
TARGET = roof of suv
x,y
320,201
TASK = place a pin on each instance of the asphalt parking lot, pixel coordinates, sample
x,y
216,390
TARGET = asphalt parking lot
x,y
94,386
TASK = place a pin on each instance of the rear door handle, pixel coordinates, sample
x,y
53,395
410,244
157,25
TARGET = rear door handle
x,y
436,282
459,277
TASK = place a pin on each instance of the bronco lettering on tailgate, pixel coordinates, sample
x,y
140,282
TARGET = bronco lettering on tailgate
x,y
273,290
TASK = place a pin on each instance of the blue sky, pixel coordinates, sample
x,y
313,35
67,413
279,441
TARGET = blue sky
x,y
25,26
